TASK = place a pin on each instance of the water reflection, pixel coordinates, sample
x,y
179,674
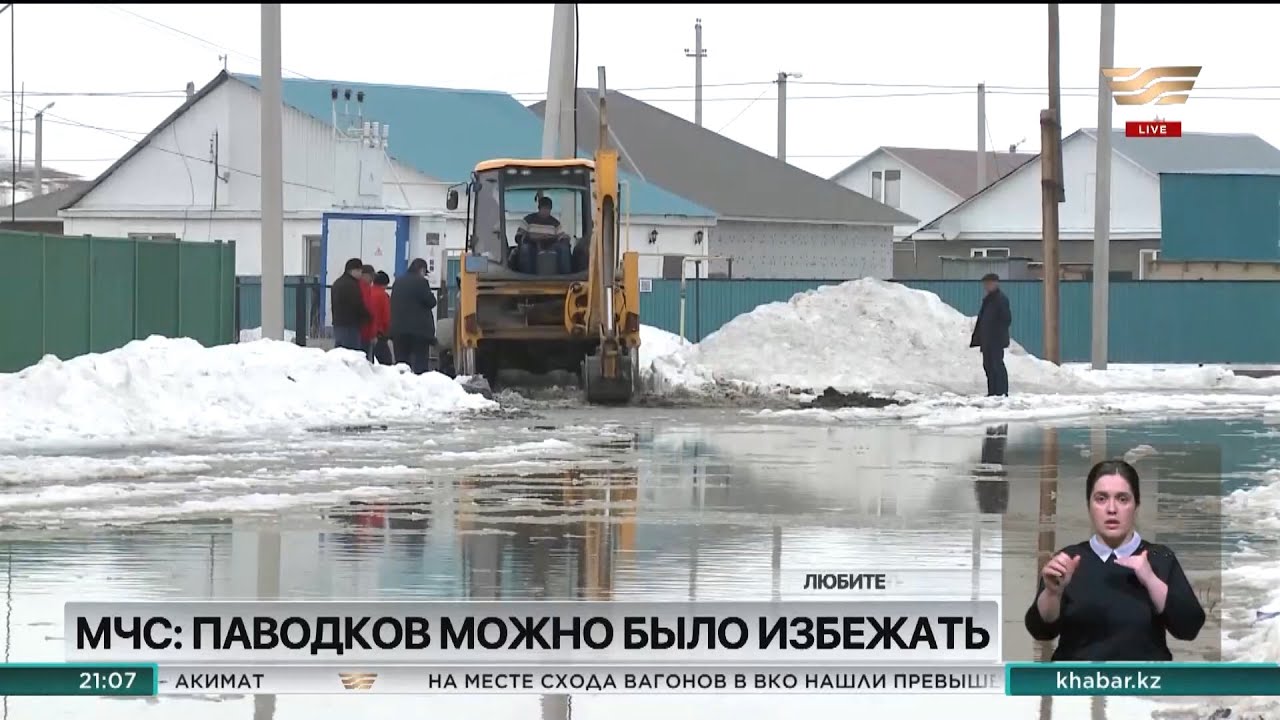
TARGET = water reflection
x,y
679,511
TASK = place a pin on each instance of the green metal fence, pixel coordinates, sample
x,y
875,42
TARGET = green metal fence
x,y
1153,321
67,296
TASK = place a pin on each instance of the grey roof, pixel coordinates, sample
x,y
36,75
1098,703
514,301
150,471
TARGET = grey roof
x,y
718,173
957,170
1195,152
46,206
1191,153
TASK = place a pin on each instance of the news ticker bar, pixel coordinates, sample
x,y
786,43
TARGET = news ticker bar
x,y
113,680
1021,679
500,633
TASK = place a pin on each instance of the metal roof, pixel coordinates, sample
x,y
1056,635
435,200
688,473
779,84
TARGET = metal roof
x,y
1191,153
734,180
955,170
1194,151
441,132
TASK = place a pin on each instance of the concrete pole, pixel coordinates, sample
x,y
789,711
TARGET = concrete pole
x,y
1102,197
557,84
982,136
37,179
697,55
782,116
272,154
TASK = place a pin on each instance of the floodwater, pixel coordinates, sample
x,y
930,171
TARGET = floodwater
x,y
625,504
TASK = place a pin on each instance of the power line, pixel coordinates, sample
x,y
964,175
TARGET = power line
x,y
141,94
201,40
153,146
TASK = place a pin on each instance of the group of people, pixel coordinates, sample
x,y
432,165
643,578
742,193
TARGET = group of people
x,y
388,327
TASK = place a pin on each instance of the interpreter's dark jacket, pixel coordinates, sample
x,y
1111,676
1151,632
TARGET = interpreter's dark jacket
x,y
1107,615
412,300
346,300
991,331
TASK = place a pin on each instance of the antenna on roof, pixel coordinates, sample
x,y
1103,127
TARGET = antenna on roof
x,y
346,104
333,106
360,105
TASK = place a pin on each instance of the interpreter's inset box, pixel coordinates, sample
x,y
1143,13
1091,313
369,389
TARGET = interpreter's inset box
x,y
1128,549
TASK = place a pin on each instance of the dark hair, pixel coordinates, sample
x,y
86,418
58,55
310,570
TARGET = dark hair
x,y
991,277
353,264
544,202
1114,467
418,265
368,270
381,279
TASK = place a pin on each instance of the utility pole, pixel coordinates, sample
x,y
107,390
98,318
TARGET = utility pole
x,y
1055,95
697,55
1102,198
782,112
1050,134
272,154
38,171
982,136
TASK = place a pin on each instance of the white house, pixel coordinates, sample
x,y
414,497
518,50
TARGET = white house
x,y
773,219
1004,219
196,177
924,182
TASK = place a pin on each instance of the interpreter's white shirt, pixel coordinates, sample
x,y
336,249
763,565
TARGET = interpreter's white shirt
x,y
1104,551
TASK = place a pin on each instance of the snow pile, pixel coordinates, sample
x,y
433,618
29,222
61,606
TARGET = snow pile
x,y
885,338
866,335
252,334
657,343
162,388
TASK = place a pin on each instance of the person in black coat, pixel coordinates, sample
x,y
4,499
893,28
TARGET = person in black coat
x,y
1115,597
413,324
346,303
991,335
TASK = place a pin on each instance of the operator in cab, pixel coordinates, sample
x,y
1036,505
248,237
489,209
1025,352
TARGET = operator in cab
x,y
1115,597
540,233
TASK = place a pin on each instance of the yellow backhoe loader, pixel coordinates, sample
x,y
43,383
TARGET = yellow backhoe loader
x,y
539,294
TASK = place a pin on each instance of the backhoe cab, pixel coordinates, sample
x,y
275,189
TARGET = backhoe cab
x,y
543,284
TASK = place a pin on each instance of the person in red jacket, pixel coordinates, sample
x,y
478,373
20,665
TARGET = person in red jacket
x,y
381,309
368,331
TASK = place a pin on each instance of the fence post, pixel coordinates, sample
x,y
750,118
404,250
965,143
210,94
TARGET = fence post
x,y
235,309
300,313
44,297
697,299
178,272
89,239
135,290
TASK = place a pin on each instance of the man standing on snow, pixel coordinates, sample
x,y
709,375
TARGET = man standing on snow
x,y
413,324
346,302
991,335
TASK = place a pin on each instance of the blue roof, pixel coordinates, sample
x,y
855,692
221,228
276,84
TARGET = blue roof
x,y
443,133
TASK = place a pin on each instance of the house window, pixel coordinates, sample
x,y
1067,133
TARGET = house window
x,y
314,259
1146,257
892,188
153,236
990,252
886,187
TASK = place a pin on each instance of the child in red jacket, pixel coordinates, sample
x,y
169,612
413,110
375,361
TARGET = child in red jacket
x,y
380,308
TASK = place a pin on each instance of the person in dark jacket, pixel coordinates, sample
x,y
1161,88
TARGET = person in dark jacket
x,y
346,302
413,324
991,335
1115,597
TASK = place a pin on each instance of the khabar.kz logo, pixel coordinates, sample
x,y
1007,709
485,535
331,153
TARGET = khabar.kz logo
x,y
358,681
1153,86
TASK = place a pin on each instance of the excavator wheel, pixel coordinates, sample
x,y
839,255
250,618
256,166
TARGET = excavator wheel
x,y
600,390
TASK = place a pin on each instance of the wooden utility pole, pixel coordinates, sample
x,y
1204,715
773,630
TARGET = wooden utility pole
x,y
1051,195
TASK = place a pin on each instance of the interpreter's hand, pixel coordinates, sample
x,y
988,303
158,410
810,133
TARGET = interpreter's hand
x,y
1138,564
1058,571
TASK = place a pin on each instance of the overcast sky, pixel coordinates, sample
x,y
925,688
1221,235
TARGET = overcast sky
x,y
872,74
